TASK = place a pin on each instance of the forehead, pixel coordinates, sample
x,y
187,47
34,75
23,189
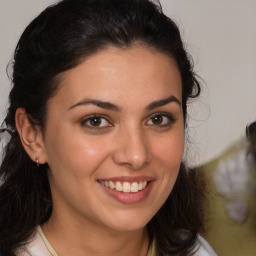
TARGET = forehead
x,y
122,73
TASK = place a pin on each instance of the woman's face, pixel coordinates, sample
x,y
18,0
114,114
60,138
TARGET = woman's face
x,y
114,138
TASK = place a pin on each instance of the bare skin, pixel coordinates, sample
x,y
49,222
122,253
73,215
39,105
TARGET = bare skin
x,y
116,117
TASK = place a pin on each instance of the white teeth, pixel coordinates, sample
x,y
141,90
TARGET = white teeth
x,y
140,185
125,187
111,185
135,187
119,186
106,184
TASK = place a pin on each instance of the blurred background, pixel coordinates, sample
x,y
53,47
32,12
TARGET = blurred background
x,y
221,37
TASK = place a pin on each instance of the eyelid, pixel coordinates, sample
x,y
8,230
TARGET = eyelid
x,y
164,114
87,118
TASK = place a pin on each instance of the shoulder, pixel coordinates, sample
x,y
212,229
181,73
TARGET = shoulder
x,y
203,248
34,247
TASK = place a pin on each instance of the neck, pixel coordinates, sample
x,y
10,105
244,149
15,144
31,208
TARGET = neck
x,y
69,237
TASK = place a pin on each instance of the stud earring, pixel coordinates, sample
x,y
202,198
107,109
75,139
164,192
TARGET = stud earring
x,y
37,162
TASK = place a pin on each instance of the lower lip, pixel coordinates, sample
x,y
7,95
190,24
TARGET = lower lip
x,y
129,198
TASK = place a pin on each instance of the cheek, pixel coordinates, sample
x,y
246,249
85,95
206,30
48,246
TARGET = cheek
x,y
76,154
168,155
170,151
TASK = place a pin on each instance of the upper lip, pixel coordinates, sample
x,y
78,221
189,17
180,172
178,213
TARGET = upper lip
x,y
128,178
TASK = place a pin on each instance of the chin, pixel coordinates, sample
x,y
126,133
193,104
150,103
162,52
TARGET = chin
x,y
129,223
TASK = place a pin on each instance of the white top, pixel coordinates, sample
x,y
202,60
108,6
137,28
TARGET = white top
x,y
204,248
40,246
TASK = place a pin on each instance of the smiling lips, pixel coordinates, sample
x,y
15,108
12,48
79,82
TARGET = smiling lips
x,y
126,187
127,190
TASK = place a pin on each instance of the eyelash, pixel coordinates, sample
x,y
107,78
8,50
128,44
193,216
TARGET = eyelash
x,y
170,119
167,118
90,119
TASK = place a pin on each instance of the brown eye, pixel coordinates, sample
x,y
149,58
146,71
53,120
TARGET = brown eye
x,y
158,119
95,122
161,120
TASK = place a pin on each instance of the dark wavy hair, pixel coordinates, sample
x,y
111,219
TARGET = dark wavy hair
x,y
251,136
60,38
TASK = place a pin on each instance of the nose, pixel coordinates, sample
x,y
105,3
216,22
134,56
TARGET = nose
x,y
132,150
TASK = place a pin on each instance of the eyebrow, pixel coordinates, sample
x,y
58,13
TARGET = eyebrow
x,y
159,103
98,103
111,106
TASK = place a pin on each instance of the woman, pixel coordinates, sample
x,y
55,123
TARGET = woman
x,y
97,115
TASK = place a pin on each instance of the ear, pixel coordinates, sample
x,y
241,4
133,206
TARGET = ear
x,y
31,136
